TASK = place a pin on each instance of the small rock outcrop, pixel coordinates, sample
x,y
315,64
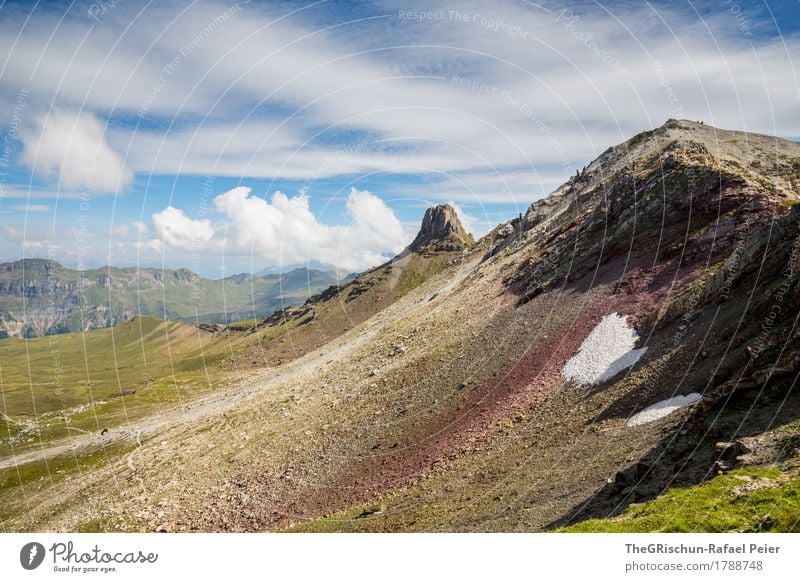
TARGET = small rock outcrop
x,y
441,231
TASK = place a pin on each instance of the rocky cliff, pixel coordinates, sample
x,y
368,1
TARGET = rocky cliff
x,y
441,230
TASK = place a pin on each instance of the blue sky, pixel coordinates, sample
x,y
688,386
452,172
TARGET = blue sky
x,y
225,136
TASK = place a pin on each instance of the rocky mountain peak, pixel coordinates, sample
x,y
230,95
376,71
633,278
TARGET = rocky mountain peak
x,y
441,231
679,159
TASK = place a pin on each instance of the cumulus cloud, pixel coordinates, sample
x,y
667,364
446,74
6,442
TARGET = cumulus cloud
x,y
284,230
180,231
72,147
375,225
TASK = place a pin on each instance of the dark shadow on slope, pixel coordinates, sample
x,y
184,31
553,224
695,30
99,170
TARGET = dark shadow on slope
x,y
691,456
673,373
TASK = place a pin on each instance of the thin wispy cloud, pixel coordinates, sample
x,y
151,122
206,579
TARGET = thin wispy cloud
x,y
30,207
490,105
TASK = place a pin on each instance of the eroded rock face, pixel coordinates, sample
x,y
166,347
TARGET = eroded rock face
x,y
441,231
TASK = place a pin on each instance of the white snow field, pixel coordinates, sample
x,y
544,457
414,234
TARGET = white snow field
x,y
607,351
662,409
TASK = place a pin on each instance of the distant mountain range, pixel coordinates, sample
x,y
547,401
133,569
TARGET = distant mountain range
x,y
42,297
310,265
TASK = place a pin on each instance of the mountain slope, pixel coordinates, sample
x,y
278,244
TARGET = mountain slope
x,y
41,297
100,386
294,331
449,410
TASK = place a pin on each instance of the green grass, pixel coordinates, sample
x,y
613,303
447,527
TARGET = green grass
x,y
105,524
715,268
56,372
714,507
116,374
409,281
58,468
424,270
14,480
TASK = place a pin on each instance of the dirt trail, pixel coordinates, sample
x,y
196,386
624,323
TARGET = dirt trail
x,y
256,382
192,412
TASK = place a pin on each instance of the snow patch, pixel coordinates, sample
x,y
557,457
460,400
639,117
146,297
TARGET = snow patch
x,y
606,352
662,409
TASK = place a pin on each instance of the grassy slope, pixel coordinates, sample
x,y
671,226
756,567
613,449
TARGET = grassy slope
x,y
163,362
62,385
50,383
275,344
128,372
751,499
17,482
133,368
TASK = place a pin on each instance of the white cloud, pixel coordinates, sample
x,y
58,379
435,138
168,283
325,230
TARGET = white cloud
x,y
31,207
12,233
120,231
285,231
468,221
180,231
141,228
30,192
374,224
72,147
248,95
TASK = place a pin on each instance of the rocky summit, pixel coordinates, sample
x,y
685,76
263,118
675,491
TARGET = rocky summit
x,y
441,231
623,357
